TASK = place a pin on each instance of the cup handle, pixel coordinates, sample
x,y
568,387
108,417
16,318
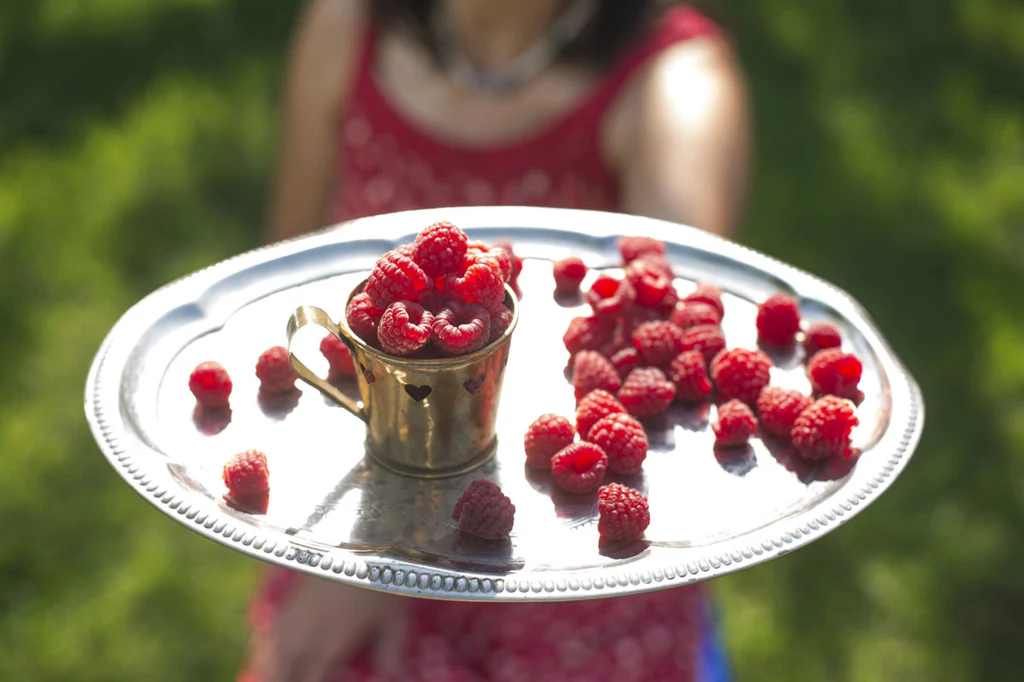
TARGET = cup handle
x,y
308,314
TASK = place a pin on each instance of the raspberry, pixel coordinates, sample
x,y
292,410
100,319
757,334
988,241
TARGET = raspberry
x,y
500,322
646,392
632,248
404,328
406,250
778,320
658,342
586,333
740,373
515,261
623,439
363,316
652,281
595,406
823,429
461,328
778,409
689,373
610,297
395,278
735,425
625,361
481,283
498,257
686,315
568,272
338,357
484,511
819,336
623,513
705,293
439,248
210,384
707,339
548,434
592,371
247,478
274,371
579,468
834,372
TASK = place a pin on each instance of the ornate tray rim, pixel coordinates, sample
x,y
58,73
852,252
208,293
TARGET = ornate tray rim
x,y
122,447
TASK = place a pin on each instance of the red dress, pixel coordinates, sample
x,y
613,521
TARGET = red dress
x,y
388,164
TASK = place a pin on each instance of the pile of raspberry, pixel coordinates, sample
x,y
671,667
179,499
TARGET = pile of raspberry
x,y
439,296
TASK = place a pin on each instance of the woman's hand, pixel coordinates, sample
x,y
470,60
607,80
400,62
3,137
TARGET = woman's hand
x,y
323,623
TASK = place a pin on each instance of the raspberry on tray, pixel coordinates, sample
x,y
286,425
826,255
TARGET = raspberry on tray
x,y
569,273
610,297
579,468
658,342
647,392
741,373
210,384
778,320
623,513
484,511
735,424
275,372
248,481
634,247
693,313
404,328
833,372
706,338
591,371
338,357
819,336
461,328
593,407
653,282
587,333
711,295
688,371
548,434
823,429
625,361
624,441
778,409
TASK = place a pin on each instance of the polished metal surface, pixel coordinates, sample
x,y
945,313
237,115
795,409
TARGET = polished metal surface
x,y
337,513
428,418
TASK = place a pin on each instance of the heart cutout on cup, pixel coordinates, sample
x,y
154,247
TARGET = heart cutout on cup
x,y
417,393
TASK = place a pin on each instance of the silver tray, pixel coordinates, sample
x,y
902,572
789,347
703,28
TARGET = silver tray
x,y
335,514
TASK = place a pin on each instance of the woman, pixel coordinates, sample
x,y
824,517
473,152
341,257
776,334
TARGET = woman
x,y
400,104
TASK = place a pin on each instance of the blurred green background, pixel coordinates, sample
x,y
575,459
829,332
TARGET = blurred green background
x,y
136,138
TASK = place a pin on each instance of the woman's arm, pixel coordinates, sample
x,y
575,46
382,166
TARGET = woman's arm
x,y
317,78
686,155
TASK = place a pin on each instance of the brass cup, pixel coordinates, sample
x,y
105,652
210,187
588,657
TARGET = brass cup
x,y
424,418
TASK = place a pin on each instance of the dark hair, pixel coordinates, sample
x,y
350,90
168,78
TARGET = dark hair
x,y
616,25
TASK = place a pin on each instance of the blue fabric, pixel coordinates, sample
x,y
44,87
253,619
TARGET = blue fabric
x,y
713,666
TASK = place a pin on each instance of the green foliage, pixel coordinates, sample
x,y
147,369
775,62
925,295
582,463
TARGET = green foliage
x,y
135,145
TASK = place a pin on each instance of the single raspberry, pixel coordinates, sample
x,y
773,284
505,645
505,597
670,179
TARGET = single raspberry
x,y
689,373
338,357
500,322
586,333
646,392
705,293
834,372
461,328
610,297
658,342
778,409
595,406
623,513
515,261
481,283
632,248
404,328
439,248
778,320
707,339
623,439
819,336
740,373
579,468
500,258
548,434
592,371
823,429
274,371
735,425
210,384
246,475
625,361
568,272
395,278
362,316
484,511
652,281
686,315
